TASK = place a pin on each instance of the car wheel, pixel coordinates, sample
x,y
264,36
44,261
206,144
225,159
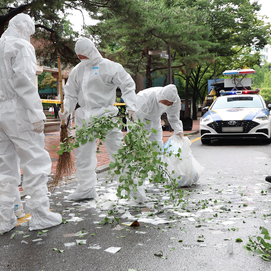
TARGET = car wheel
x,y
205,141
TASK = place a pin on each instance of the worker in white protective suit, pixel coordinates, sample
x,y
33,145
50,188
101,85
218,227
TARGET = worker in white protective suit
x,y
152,103
93,83
21,130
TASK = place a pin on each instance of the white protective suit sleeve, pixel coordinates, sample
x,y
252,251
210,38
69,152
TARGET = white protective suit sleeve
x,y
127,87
173,115
71,90
24,67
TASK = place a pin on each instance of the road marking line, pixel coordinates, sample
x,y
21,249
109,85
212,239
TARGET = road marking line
x,y
21,220
195,139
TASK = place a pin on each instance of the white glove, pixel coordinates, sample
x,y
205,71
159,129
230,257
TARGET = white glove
x,y
181,135
64,115
131,115
38,126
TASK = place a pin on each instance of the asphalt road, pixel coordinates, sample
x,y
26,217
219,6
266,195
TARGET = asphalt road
x,y
230,201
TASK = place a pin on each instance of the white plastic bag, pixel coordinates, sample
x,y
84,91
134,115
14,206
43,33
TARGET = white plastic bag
x,y
187,170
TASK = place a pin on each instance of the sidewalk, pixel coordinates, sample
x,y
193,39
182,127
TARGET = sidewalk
x,y
52,138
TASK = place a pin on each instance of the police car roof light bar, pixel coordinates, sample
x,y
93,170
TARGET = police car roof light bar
x,y
245,91
239,71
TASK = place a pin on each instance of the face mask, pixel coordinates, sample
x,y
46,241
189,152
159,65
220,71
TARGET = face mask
x,y
163,106
85,62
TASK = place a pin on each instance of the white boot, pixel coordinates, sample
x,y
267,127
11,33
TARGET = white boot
x,y
38,222
41,216
81,195
8,186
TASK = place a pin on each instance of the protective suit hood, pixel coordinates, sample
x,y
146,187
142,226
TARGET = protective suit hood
x,y
20,26
168,92
86,47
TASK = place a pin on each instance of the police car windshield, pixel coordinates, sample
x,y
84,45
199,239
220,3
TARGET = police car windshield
x,y
238,102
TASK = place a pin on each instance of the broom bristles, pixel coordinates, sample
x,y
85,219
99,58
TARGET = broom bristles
x,y
64,164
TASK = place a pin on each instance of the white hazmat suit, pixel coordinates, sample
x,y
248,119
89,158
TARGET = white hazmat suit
x,y
93,83
149,111
21,130
149,108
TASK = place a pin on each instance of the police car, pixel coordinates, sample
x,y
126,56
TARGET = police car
x,y
236,114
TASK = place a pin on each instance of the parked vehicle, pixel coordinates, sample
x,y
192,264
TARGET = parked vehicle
x,y
238,113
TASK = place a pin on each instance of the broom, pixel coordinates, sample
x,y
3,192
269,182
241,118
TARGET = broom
x,y
64,163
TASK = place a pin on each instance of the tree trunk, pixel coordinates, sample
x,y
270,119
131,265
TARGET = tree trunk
x,y
195,110
186,112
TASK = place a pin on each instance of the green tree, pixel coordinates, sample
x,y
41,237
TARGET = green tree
x,y
266,85
267,81
47,81
266,94
54,35
235,26
145,26
260,75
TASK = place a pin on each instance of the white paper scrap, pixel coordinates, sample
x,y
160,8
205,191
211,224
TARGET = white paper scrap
x,y
75,219
113,249
69,244
37,240
94,246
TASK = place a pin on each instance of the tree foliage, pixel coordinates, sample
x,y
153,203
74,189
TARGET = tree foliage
x,y
145,26
136,160
198,31
54,34
235,27
47,81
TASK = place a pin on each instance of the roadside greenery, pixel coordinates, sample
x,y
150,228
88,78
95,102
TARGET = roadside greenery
x,y
137,159
258,245
46,80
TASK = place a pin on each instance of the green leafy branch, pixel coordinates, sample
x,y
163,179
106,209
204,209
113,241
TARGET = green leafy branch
x,y
257,244
137,159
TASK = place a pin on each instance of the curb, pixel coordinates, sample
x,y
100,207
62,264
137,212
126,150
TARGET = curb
x,y
102,168
192,133
186,134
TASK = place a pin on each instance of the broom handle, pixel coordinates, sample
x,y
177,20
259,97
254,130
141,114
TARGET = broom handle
x,y
60,86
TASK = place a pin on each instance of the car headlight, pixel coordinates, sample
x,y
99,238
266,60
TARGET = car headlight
x,y
207,119
265,117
